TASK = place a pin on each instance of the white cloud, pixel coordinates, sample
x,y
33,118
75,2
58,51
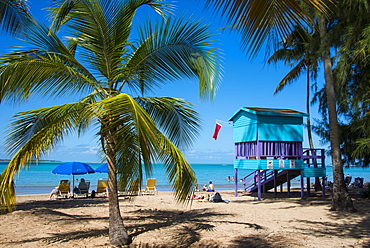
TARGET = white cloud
x,y
79,152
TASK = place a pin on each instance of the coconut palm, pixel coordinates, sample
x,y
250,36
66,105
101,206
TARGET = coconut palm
x,y
258,21
14,15
300,51
103,61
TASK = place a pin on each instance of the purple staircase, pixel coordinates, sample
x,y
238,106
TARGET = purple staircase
x,y
269,179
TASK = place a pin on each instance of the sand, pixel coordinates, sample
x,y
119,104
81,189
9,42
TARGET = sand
x,y
158,221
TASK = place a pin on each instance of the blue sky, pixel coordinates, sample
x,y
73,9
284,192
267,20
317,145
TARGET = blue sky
x,y
245,83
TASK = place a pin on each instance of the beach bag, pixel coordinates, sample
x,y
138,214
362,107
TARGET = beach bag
x,y
217,197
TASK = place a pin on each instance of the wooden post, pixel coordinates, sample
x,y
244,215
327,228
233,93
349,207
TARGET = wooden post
x,y
236,182
288,182
275,175
302,186
259,184
308,187
324,178
323,187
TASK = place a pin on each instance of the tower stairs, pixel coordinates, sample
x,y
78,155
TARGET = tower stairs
x,y
269,179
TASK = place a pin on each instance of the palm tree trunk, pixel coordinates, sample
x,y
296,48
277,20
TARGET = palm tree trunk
x,y
118,235
318,186
309,133
341,199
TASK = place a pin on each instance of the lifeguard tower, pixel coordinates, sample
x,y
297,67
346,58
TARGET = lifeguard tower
x,y
269,141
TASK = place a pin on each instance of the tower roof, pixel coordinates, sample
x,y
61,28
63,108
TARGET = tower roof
x,y
270,111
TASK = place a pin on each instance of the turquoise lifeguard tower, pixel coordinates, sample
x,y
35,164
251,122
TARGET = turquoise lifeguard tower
x,y
269,141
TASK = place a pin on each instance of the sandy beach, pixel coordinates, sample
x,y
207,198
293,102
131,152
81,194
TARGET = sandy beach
x,y
158,221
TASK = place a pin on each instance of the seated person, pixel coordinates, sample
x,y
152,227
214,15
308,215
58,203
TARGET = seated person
x,y
82,187
204,187
54,192
211,187
359,182
348,179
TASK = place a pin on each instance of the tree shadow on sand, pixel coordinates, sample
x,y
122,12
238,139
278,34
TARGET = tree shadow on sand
x,y
182,228
61,204
57,238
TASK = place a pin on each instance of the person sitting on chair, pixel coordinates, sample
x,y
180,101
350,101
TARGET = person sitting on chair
x,y
211,187
82,185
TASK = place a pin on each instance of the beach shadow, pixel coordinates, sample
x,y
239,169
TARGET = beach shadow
x,y
183,224
47,212
61,237
359,230
60,204
355,225
269,198
259,241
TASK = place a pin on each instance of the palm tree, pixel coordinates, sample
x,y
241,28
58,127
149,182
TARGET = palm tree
x,y
258,21
103,61
14,15
300,50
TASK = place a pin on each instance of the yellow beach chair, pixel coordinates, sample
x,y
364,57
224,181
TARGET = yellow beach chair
x,y
64,189
150,188
134,187
102,187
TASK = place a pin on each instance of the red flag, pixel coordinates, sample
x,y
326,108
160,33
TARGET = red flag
x,y
217,129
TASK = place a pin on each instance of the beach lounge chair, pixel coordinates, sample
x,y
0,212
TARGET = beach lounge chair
x,y
83,188
134,187
63,189
150,188
102,187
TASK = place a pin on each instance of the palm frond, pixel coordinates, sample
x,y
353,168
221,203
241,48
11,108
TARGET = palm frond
x,y
285,54
34,133
260,20
139,142
102,29
15,16
175,117
179,171
291,76
172,50
37,131
34,72
47,68
134,132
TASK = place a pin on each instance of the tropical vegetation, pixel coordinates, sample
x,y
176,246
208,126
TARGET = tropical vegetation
x,y
269,22
105,57
14,15
300,50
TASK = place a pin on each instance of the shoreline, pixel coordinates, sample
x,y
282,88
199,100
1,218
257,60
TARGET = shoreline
x,y
159,221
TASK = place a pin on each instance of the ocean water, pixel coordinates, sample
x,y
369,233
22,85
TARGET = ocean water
x,y
38,179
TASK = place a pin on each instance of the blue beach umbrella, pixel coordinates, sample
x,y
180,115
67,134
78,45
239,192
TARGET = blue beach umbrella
x,y
102,168
73,168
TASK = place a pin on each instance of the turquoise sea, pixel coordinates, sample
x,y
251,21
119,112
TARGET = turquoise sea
x,y
38,179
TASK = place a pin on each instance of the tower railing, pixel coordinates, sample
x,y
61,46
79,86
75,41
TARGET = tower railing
x,y
262,149
314,157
